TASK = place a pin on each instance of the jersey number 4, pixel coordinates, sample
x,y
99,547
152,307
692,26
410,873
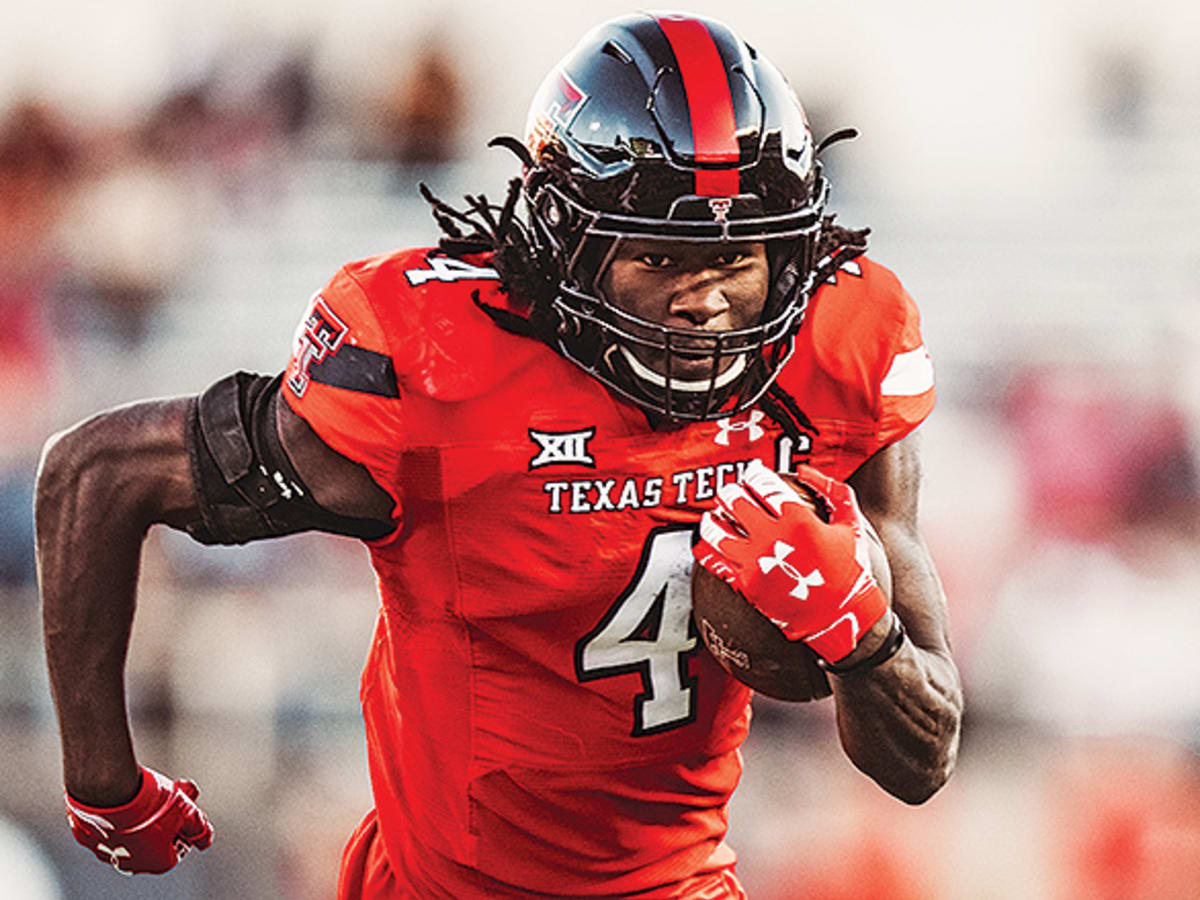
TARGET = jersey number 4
x,y
648,630
445,268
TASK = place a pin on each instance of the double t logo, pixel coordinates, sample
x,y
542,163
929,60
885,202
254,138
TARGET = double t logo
x,y
319,336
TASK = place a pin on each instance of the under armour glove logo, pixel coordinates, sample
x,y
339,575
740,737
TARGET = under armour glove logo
x,y
779,561
809,576
115,855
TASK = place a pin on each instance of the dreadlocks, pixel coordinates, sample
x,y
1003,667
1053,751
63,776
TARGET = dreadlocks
x,y
498,230
836,246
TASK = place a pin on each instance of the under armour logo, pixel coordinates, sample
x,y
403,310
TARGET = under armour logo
x,y
779,561
287,489
562,448
720,207
718,648
750,425
115,855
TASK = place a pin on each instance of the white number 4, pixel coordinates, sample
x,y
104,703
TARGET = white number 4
x,y
648,630
445,268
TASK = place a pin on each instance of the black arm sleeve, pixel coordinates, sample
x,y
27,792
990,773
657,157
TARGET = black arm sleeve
x,y
245,484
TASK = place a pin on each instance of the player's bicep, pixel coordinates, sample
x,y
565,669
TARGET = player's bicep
x,y
887,486
246,483
337,483
129,461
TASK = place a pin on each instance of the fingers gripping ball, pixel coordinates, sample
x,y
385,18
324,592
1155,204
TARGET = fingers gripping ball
x,y
813,568
150,833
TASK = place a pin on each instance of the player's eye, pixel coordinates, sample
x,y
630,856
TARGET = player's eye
x,y
655,260
729,259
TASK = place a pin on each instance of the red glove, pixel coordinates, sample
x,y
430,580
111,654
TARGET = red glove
x,y
150,833
810,577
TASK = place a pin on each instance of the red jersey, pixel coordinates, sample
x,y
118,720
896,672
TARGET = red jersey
x,y
540,716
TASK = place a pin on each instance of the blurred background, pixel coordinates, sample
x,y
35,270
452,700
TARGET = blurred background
x,y
176,180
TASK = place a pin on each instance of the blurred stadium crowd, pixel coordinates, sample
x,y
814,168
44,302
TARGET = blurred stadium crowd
x,y
1062,501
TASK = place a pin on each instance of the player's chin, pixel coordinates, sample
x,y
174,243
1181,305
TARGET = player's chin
x,y
698,371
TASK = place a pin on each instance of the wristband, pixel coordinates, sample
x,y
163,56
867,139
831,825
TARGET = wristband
x,y
890,647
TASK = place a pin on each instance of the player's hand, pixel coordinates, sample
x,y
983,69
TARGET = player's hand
x,y
150,833
809,576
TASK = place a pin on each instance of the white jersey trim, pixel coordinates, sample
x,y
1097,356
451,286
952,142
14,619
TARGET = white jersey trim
x,y
911,374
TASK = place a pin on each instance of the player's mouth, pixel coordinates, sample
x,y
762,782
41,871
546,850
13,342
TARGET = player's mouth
x,y
688,374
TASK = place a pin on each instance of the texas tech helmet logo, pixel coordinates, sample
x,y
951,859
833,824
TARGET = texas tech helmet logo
x,y
720,207
567,100
562,448
555,107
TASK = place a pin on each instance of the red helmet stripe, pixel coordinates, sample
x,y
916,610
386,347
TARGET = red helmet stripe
x,y
709,103
717,182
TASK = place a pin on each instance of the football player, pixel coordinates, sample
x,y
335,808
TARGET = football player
x,y
536,426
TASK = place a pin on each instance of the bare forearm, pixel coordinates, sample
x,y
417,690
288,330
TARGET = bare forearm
x,y
899,723
99,490
86,623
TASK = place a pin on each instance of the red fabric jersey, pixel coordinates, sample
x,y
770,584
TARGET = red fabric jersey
x,y
540,716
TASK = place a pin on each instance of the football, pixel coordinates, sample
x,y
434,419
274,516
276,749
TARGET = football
x,y
749,646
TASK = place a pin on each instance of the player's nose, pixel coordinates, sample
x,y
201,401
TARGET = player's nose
x,y
699,303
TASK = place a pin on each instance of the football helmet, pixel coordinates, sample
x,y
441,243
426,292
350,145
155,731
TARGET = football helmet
x,y
670,127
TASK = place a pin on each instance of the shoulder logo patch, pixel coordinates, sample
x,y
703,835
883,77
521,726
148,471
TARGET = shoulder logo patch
x,y
562,448
318,337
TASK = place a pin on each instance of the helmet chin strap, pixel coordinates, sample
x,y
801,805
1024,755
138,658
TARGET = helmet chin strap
x,y
695,386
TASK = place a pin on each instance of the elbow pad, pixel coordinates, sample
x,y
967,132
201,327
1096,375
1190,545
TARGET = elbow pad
x,y
246,486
